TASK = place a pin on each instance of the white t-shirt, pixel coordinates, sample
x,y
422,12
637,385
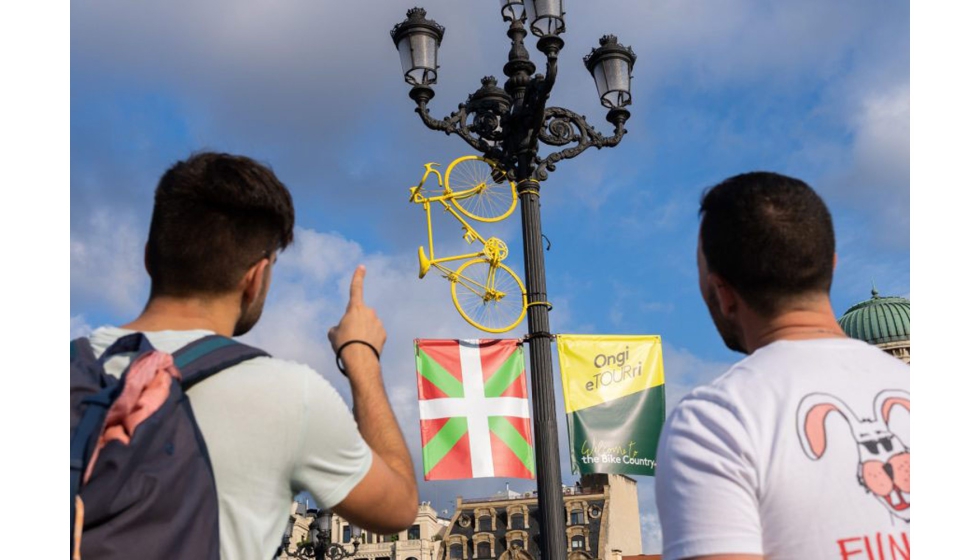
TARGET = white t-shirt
x,y
273,428
800,451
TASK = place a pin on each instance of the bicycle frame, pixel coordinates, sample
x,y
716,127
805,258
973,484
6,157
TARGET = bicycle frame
x,y
469,234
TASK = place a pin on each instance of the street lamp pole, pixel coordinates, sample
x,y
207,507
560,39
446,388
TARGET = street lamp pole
x,y
508,125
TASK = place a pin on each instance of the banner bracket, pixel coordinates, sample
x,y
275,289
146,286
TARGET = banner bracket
x,y
529,336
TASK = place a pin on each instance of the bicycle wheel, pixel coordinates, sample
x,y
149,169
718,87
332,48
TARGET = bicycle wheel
x,y
490,297
480,189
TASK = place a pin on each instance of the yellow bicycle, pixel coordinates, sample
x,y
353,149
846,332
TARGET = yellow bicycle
x,y
485,291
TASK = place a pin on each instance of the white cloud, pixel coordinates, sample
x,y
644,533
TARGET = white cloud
x,y
107,263
881,160
79,327
881,144
653,540
684,371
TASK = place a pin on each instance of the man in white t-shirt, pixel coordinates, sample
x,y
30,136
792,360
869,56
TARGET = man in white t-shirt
x,y
272,427
801,450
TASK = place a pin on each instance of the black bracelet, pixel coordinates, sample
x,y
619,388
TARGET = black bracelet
x,y
349,342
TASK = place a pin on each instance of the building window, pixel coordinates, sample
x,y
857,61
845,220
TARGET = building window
x,y
578,542
517,521
414,533
483,523
346,533
456,551
578,517
517,543
483,550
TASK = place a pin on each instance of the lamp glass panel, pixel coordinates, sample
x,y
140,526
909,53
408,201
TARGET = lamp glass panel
x,y
512,10
405,54
418,57
545,16
599,74
616,76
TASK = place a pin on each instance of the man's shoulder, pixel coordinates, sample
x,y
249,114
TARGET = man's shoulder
x,y
172,341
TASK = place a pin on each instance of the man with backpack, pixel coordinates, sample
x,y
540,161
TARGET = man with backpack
x,y
261,428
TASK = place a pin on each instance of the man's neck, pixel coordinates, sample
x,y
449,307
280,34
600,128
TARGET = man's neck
x,y
164,313
815,320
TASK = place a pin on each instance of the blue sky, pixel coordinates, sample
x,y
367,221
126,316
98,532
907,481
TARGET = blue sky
x,y
817,90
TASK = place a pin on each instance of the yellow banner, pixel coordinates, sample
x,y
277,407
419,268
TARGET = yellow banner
x,y
600,368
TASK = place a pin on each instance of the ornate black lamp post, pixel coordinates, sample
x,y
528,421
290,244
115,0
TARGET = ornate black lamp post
x,y
508,125
318,547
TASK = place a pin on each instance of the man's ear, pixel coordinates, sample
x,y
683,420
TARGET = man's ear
x,y
251,284
727,299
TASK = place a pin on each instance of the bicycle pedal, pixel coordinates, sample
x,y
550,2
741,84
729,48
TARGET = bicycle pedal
x,y
424,263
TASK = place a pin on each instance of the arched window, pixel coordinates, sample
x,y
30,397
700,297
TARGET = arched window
x,y
483,550
517,521
414,533
578,517
578,542
517,543
483,523
456,551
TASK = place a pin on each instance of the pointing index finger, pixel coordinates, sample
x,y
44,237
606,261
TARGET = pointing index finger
x,y
357,286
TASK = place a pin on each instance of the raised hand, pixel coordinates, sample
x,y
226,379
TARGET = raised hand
x,y
359,322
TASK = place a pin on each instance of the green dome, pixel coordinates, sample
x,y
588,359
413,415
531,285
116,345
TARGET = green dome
x,y
879,320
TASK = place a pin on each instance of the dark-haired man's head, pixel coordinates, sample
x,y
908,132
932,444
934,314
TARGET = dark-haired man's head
x,y
215,218
769,238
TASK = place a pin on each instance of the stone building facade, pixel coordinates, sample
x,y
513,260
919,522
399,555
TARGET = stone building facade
x,y
421,541
601,521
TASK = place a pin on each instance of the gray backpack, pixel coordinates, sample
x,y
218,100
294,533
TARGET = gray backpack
x,y
141,479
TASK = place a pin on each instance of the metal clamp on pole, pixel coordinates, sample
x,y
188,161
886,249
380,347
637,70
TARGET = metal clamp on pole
x,y
533,335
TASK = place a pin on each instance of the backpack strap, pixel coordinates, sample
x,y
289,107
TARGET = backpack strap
x,y
133,342
207,356
87,431
82,348
97,404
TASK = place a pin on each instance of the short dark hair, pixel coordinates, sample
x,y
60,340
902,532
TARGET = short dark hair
x,y
770,236
214,216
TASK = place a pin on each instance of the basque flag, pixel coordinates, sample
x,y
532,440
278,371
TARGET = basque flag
x,y
473,407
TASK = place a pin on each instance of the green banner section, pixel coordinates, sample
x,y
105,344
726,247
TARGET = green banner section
x,y
618,436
